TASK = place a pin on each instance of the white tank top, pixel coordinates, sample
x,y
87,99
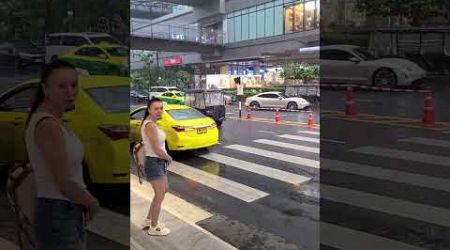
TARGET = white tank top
x,y
147,144
46,186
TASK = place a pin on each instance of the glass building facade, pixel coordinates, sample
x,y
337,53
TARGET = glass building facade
x,y
271,19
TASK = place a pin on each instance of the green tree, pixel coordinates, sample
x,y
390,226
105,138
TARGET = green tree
x,y
300,71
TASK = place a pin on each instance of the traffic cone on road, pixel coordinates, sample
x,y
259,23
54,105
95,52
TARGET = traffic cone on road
x,y
428,112
310,120
249,114
277,116
350,105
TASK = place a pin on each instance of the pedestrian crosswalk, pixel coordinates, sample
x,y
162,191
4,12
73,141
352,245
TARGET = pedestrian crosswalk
x,y
280,160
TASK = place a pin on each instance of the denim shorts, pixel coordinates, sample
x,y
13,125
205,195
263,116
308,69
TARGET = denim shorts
x,y
155,168
59,224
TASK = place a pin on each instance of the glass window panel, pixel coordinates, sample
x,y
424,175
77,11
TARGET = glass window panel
x,y
230,26
278,2
268,5
245,31
260,7
252,9
260,22
317,13
237,29
288,1
252,25
309,15
244,11
225,30
269,22
289,19
278,15
298,17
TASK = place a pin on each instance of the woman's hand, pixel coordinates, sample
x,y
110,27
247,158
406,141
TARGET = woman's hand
x,y
92,209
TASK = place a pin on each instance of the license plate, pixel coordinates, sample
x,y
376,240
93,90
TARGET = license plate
x,y
201,130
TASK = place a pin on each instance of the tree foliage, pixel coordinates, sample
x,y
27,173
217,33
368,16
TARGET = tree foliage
x,y
300,71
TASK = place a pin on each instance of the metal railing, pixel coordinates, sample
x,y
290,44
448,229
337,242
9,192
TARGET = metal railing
x,y
177,33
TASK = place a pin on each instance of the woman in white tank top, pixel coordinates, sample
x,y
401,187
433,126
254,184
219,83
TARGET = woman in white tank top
x,y
156,162
56,154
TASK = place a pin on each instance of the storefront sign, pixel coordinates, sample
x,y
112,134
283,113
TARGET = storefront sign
x,y
172,61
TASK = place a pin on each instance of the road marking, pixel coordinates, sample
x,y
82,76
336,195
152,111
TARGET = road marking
x,y
308,132
407,209
229,187
267,132
289,146
300,138
274,155
101,225
349,239
427,141
387,174
179,208
172,203
331,140
258,169
404,155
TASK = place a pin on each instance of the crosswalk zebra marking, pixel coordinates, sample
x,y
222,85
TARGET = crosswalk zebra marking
x,y
349,239
421,212
101,225
274,155
425,181
257,168
427,141
229,187
308,132
289,146
300,138
404,155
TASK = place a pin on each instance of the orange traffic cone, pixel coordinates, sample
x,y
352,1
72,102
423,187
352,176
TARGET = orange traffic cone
x,y
249,114
277,116
428,112
310,120
350,105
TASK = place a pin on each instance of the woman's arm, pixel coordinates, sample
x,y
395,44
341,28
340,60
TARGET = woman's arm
x,y
152,134
50,141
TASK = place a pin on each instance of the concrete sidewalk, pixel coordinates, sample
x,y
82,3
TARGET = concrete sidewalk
x,y
176,214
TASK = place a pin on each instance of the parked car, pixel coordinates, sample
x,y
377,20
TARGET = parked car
x,y
101,59
186,128
100,119
275,99
20,53
139,95
355,65
157,90
58,44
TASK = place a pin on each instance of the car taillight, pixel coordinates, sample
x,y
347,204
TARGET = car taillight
x,y
115,131
179,128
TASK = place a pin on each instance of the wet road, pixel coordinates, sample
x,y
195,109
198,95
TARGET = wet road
x,y
383,184
260,185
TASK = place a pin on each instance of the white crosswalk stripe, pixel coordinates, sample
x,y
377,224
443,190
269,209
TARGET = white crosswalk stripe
x,y
405,155
257,168
275,155
300,138
427,141
308,132
289,146
412,210
218,183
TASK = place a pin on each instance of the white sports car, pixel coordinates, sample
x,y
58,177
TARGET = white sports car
x,y
276,99
353,64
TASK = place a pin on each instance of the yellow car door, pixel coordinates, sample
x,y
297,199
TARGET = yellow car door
x,y
14,108
135,124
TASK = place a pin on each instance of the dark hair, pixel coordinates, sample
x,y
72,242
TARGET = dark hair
x,y
47,70
149,104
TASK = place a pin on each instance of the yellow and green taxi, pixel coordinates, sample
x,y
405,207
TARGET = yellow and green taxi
x,y
186,128
100,119
100,59
172,97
